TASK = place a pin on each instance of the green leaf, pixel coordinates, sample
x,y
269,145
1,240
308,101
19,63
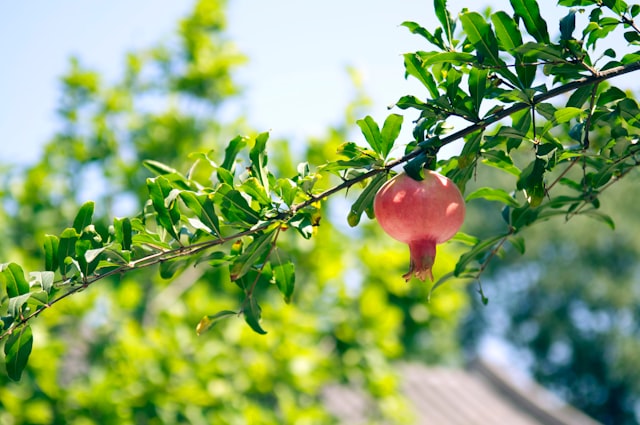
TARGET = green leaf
x,y
507,32
207,322
413,66
84,216
568,25
518,242
158,168
443,15
253,314
231,152
415,167
123,232
17,350
51,252
67,248
529,12
283,273
458,58
431,38
561,116
365,200
493,194
254,188
599,216
371,133
12,277
480,249
390,132
42,279
477,87
203,207
500,160
167,213
254,254
259,159
479,34
233,206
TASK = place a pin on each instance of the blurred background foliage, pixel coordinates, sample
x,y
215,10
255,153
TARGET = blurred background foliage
x,y
125,351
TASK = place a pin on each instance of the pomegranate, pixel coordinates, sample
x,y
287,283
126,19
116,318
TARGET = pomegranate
x,y
421,214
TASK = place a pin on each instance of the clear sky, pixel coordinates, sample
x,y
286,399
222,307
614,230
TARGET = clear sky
x,y
295,83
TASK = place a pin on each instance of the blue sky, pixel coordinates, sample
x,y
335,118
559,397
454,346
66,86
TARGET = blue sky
x,y
295,82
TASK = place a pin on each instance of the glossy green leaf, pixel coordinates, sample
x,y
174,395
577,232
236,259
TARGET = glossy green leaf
x,y
17,350
12,277
529,12
51,252
493,194
84,216
207,322
283,273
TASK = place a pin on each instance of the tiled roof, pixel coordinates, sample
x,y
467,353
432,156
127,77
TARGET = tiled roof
x,y
481,394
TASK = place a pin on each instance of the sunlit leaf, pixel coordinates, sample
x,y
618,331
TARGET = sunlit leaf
x,y
207,322
13,279
84,216
493,194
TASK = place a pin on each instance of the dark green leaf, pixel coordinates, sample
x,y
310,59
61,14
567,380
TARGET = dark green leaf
x,y
415,167
568,25
507,32
207,322
84,216
417,29
600,217
17,350
167,213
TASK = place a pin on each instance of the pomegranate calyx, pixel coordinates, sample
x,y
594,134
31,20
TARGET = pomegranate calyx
x,y
423,254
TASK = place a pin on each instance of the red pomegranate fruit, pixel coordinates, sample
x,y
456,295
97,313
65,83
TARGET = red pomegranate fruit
x,y
421,214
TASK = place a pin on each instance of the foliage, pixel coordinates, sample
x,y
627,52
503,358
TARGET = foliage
x,y
235,215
